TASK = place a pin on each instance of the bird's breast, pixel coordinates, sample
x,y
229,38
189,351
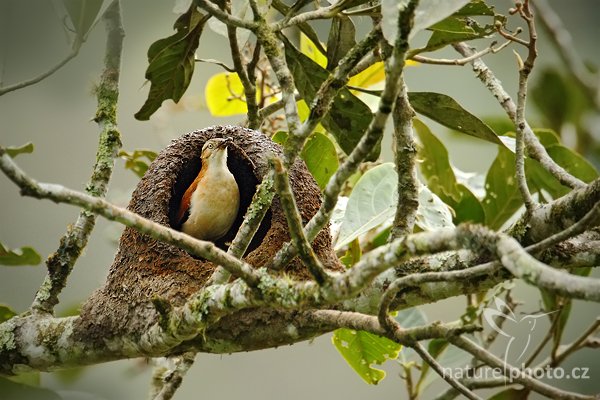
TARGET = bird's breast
x,y
214,206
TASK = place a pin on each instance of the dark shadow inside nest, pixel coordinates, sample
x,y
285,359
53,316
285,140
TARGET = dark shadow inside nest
x,y
242,169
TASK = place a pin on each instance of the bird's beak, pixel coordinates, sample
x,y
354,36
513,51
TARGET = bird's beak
x,y
225,142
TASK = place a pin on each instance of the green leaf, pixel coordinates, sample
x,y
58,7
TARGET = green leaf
x,y
474,8
574,163
18,391
371,203
432,213
320,157
23,256
318,153
171,62
135,162
348,117
446,111
435,167
459,27
6,313
511,394
456,29
27,148
340,41
352,255
362,349
502,198
547,137
427,13
82,13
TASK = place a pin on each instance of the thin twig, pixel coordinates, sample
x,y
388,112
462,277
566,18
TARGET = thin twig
x,y
424,354
294,219
217,62
513,373
224,17
20,85
534,147
61,263
238,63
460,61
525,69
576,345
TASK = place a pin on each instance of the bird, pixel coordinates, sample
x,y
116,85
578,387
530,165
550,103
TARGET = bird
x,y
211,203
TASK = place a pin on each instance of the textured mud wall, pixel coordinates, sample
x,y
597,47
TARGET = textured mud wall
x,y
145,268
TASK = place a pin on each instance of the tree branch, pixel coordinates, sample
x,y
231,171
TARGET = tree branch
x,y
60,194
514,374
534,147
406,166
61,263
394,68
77,43
292,215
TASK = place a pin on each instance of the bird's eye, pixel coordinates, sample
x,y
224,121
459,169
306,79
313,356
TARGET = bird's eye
x,y
210,146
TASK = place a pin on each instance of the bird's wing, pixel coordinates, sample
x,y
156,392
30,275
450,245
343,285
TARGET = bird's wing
x,y
184,207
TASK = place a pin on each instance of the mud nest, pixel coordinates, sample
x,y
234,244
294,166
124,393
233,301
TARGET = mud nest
x,y
145,268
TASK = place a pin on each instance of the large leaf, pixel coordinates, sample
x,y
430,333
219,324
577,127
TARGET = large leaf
x,y
320,157
348,117
22,256
371,203
27,148
318,153
224,94
172,62
502,198
362,349
432,213
340,40
435,167
427,13
446,111
82,13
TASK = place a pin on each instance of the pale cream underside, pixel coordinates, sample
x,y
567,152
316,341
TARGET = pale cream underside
x,y
214,205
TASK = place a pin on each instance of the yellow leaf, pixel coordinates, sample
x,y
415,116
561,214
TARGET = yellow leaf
x,y
225,95
308,48
368,77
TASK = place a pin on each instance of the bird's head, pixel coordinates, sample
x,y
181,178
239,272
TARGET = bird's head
x,y
215,148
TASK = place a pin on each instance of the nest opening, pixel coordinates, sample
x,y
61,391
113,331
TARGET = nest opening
x,y
244,173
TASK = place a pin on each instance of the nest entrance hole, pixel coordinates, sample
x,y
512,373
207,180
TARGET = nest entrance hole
x,y
243,171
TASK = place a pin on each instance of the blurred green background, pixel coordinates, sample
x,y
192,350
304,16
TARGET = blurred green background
x,y
56,115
